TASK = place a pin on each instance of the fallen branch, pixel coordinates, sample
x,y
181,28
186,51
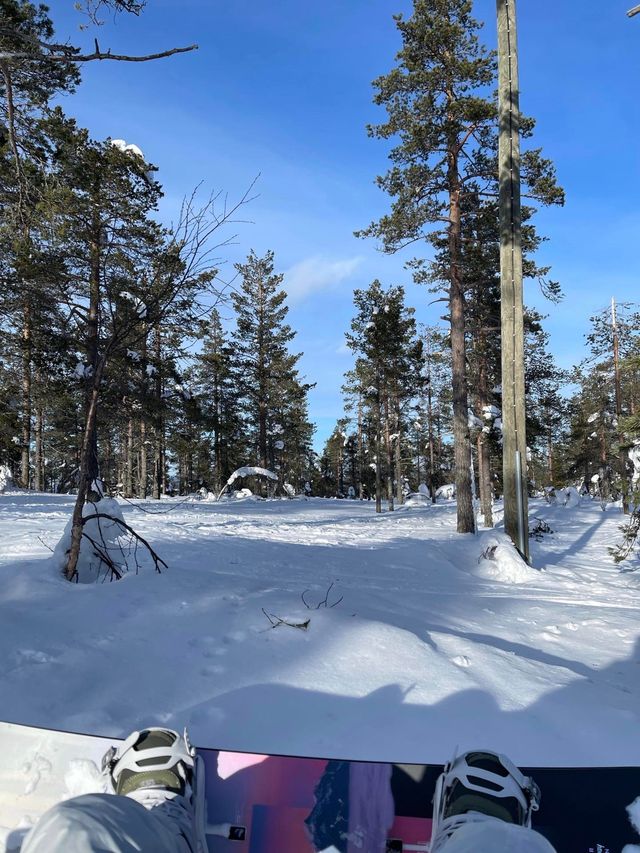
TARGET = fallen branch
x,y
276,621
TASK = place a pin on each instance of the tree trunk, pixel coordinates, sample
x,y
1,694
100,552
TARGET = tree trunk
x,y
39,460
158,462
389,450
360,453
378,444
93,326
25,466
461,439
86,475
142,470
484,460
398,457
128,465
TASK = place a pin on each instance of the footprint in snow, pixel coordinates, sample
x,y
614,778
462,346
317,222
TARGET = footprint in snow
x,y
25,656
571,626
34,771
208,671
235,637
553,629
461,660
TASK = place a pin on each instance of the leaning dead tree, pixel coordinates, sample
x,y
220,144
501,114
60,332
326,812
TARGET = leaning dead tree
x,y
187,268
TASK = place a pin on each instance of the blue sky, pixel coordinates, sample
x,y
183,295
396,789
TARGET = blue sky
x,y
283,89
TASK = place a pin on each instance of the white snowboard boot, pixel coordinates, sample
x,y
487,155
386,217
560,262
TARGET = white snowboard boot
x,y
480,797
160,769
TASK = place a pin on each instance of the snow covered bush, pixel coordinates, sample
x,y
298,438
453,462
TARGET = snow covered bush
x,y
109,547
571,497
6,480
416,500
499,560
447,492
247,471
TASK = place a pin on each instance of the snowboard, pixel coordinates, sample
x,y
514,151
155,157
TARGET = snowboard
x,y
289,804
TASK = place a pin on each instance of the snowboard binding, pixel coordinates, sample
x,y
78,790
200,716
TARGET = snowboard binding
x,y
159,760
481,785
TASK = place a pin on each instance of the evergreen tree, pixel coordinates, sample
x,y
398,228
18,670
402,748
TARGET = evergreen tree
x,y
273,396
217,387
441,109
383,333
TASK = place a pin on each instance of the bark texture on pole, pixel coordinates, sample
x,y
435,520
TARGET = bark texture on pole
x,y
513,397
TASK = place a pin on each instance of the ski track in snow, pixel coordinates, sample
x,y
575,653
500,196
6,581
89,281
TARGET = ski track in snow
x,y
429,647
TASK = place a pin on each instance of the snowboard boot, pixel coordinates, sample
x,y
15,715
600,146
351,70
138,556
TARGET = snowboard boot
x,y
479,786
160,769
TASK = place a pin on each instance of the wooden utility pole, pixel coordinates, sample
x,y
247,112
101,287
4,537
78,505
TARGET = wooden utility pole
x,y
513,402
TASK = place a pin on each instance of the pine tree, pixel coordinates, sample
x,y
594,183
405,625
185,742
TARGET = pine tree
x,y
217,388
441,109
272,392
383,333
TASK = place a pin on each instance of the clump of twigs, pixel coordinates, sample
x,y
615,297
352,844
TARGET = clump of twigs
x,y
323,602
277,621
119,556
489,553
539,529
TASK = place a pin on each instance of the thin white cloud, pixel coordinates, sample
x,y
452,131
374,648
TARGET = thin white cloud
x,y
315,274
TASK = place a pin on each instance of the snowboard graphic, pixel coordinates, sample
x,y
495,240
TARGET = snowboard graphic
x,y
278,804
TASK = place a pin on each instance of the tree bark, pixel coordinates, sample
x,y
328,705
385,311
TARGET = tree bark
x,y
86,475
360,453
39,483
461,439
128,465
93,324
27,343
398,456
389,451
142,470
158,462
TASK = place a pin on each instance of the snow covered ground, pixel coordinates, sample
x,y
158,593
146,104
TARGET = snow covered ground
x,y
430,647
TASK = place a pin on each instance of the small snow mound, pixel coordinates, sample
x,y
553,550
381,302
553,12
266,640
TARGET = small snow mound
x,y
499,560
447,492
461,660
416,500
100,534
83,777
570,497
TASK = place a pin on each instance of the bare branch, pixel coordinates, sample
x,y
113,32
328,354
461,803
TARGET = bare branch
x,y
276,621
98,515
69,56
